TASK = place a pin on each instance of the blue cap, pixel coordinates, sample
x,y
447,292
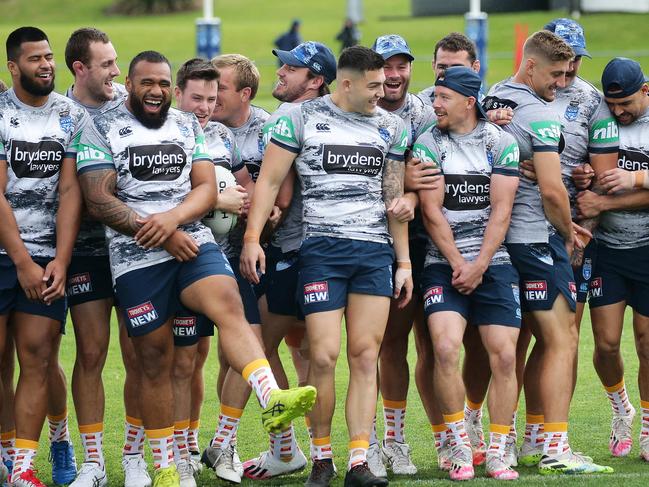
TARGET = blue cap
x,y
622,77
571,32
464,81
313,55
391,45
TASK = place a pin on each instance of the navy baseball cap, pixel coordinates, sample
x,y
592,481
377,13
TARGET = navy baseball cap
x,y
571,32
464,81
313,55
391,45
622,77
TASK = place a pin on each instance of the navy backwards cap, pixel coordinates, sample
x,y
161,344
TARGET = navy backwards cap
x,y
464,81
391,45
571,32
313,55
622,77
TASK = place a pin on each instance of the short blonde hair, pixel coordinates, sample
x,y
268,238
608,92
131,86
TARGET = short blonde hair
x,y
247,74
548,46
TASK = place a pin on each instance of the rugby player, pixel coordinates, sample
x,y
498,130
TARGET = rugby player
x,y
304,75
344,220
583,114
468,278
92,60
394,374
547,286
39,143
161,255
621,268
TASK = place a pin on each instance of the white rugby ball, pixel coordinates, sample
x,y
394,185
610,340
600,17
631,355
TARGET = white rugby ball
x,y
218,221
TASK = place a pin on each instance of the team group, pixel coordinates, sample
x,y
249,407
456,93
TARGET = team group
x,y
478,220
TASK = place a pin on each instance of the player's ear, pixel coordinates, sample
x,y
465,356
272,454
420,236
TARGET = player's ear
x,y
77,67
127,84
13,68
245,93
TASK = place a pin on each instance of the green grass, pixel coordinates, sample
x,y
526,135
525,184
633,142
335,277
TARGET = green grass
x,y
249,27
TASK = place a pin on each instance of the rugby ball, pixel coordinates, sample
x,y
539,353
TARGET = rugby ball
x,y
218,221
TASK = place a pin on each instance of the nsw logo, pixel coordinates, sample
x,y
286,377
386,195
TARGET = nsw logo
x,y
587,268
596,288
434,295
536,290
125,131
184,326
66,122
79,284
163,162
352,159
572,110
39,160
142,314
316,292
322,127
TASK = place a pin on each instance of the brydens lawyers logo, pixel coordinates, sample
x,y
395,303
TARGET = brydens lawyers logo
x,y
352,159
536,290
38,160
434,295
79,284
142,314
185,326
316,292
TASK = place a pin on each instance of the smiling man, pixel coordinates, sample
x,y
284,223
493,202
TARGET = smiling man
x,y
348,155
38,142
145,174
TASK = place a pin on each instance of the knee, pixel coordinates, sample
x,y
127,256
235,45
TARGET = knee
x,y
183,367
447,353
91,358
642,346
503,361
605,346
363,360
154,359
323,360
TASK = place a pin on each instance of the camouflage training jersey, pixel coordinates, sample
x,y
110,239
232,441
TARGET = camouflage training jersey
x,y
340,162
224,152
427,95
588,128
536,128
91,240
628,229
34,141
288,236
467,162
249,138
153,174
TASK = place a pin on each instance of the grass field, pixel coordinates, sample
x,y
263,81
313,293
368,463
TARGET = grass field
x,y
249,27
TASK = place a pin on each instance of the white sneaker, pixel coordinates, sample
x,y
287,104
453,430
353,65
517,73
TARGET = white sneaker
x,y
90,475
375,462
511,452
266,466
397,458
621,439
195,462
236,461
499,468
221,461
4,473
186,474
644,448
444,457
530,454
135,472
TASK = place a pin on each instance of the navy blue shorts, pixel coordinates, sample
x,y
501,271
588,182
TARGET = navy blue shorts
x,y
13,298
330,268
621,275
584,273
89,279
282,277
544,271
417,258
248,295
148,297
189,327
496,301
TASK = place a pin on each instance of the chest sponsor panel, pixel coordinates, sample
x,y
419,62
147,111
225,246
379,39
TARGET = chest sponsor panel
x,y
466,191
159,162
38,160
632,160
352,159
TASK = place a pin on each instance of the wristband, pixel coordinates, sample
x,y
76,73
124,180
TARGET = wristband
x,y
404,264
250,237
639,179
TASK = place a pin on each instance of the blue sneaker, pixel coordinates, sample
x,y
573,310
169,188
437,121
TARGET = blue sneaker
x,y
64,465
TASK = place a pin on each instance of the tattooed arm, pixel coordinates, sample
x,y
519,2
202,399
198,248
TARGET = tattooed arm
x,y
98,189
392,186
